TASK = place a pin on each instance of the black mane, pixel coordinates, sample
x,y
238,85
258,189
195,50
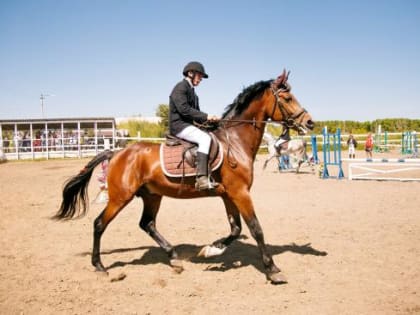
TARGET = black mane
x,y
243,100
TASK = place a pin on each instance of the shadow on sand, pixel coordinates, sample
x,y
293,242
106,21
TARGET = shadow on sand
x,y
246,254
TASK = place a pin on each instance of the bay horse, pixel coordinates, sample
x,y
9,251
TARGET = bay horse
x,y
137,171
296,148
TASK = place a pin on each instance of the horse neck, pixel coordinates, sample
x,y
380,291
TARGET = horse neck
x,y
248,135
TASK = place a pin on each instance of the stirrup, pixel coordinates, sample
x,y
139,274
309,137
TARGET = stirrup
x,y
205,183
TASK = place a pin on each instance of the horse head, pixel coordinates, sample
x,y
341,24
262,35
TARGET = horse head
x,y
287,108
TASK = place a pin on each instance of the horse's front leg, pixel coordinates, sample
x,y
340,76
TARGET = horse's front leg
x,y
244,204
148,224
268,160
219,246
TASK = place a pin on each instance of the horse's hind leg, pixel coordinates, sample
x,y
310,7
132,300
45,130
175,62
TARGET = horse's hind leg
x,y
298,166
151,204
234,219
99,226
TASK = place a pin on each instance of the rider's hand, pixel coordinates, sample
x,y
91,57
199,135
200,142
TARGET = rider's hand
x,y
213,118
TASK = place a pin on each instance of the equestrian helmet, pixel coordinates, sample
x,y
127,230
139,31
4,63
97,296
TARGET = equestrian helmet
x,y
196,67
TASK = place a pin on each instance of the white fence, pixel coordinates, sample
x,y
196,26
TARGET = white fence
x,y
384,169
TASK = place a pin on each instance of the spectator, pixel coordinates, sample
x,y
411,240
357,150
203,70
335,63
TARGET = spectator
x,y
369,146
352,144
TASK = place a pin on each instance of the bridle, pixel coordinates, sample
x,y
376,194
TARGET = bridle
x,y
290,121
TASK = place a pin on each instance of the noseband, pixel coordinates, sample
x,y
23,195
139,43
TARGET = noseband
x,y
288,120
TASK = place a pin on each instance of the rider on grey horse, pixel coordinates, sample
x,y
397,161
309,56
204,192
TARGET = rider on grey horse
x,y
283,138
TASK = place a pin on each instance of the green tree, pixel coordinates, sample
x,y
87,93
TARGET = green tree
x,y
163,112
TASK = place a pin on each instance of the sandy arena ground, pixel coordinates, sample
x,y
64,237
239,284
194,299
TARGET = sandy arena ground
x,y
346,247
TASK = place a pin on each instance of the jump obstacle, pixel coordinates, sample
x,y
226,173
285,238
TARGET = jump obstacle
x,y
314,149
370,169
284,162
332,158
409,143
377,169
381,143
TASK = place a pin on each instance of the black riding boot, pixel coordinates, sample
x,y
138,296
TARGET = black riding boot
x,y
203,181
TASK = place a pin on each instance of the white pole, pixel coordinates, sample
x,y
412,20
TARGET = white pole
x,y
41,98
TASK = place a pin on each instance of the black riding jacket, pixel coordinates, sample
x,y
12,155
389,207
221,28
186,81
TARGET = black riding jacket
x,y
184,108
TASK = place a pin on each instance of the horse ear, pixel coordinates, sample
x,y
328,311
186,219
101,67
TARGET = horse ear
x,y
280,79
283,75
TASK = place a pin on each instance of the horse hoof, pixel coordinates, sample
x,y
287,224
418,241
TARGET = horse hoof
x,y
102,272
211,251
277,278
176,265
100,268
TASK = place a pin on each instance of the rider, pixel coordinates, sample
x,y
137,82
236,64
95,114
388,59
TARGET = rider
x,y
284,137
184,111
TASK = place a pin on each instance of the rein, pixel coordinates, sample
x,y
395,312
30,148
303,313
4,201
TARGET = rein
x,y
288,120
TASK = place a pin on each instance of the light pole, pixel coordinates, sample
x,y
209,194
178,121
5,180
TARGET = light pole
x,y
42,98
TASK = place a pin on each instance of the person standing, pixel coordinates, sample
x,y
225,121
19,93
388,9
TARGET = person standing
x,y
352,144
184,111
369,146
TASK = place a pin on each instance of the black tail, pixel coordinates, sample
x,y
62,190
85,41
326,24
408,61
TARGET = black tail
x,y
75,197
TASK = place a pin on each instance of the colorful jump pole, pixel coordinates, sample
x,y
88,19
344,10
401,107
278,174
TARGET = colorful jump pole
x,y
415,145
335,153
314,149
406,142
379,145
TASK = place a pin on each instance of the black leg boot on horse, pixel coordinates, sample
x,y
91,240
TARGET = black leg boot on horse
x,y
203,181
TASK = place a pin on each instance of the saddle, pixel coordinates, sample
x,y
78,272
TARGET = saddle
x,y
178,157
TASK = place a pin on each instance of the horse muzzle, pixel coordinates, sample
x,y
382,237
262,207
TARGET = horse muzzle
x,y
302,129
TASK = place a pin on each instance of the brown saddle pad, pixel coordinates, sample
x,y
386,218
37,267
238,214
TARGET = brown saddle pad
x,y
171,157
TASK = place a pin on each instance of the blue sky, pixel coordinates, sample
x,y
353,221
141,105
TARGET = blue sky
x,y
349,60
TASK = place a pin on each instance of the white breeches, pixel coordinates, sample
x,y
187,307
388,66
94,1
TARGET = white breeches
x,y
193,134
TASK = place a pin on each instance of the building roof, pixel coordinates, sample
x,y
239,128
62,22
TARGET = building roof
x,y
55,123
55,120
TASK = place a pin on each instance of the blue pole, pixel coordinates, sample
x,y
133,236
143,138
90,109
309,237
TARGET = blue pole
x,y
325,147
340,168
314,149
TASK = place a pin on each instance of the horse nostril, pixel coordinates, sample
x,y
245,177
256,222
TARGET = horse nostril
x,y
310,124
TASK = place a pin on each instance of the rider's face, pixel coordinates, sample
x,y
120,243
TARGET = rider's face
x,y
196,78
